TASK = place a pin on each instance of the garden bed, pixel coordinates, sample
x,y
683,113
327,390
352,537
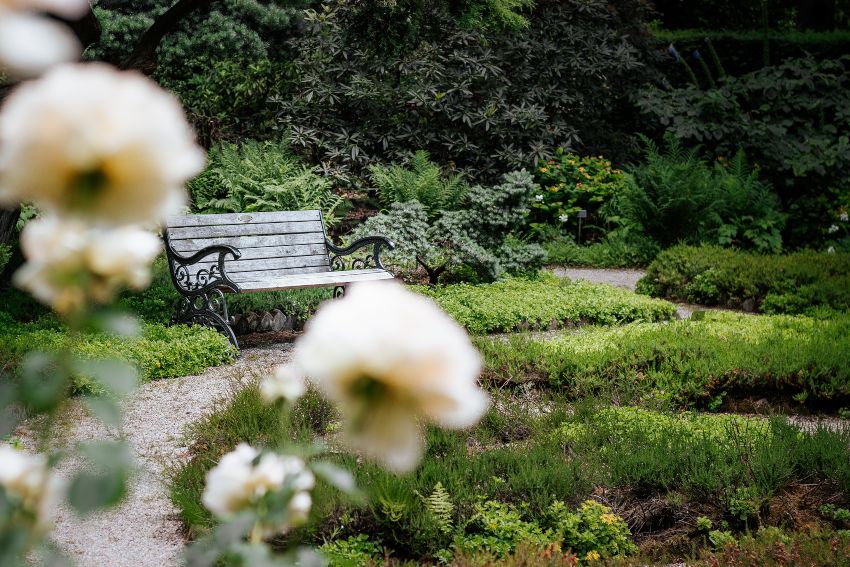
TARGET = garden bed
x,y
541,471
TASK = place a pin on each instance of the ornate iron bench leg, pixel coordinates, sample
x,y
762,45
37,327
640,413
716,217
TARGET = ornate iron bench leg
x,y
339,291
207,309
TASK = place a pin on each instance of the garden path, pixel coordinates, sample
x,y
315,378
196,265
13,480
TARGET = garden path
x,y
624,278
145,529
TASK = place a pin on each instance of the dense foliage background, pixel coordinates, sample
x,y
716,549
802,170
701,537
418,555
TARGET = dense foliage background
x,y
663,122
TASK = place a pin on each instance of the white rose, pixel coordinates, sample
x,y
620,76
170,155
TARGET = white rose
x,y
830,250
28,481
844,217
96,143
30,42
563,218
69,264
243,477
285,383
299,508
392,359
230,484
833,228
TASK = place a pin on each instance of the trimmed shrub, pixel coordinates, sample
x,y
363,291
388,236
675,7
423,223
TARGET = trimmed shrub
x,y
547,302
802,282
690,363
160,351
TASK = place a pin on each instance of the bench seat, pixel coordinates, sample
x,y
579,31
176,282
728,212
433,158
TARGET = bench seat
x,y
326,279
252,252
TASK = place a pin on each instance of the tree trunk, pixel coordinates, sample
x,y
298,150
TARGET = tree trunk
x,y
144,57
8,220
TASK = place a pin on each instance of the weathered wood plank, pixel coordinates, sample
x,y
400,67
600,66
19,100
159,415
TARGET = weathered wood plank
x,y
177,221
326,279
281,273
241,242
263,251
233,266
246,229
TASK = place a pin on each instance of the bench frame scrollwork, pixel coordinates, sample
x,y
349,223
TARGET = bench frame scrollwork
x,y
202,300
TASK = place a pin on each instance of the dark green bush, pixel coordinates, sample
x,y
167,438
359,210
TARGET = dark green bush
x,y
675,196
690,362
792,283
790,119
549,301
487,102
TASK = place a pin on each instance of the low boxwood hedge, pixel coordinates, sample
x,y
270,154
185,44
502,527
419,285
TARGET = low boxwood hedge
x,y
802,282
546,302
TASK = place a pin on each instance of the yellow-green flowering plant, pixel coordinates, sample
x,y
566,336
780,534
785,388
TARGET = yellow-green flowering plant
x,y
570,183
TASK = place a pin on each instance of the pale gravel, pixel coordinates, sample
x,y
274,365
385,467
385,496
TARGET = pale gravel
x,y
145,530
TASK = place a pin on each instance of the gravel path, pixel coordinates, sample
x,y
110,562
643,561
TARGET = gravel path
x,y
626,279
145,530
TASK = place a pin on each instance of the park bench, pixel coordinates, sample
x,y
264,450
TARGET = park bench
x,y
251,252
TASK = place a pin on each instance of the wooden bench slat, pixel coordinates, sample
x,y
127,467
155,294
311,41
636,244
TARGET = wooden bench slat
x,y
325,279
243,242
178,221
263,251
236,266
262,275
247,229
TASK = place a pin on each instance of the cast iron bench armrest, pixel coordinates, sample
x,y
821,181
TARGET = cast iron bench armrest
x,y
204,279
378,242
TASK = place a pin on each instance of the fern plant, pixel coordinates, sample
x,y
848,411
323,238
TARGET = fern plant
x,y
422,180
439,504
261,176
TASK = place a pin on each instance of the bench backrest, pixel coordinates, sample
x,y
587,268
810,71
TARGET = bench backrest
x,y
272,244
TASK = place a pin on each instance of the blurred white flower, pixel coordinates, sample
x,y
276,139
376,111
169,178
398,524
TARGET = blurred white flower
x,y
31,42
563,218
285,383
244,476
392,359
96,143
538,198
299,508
833,228
70,264
844,217
830,250
30,484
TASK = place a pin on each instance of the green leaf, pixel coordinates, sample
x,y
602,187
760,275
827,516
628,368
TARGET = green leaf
x,y
44,382
117,377
105,409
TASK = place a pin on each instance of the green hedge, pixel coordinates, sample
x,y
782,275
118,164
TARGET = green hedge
x,y
710,275
691,362
515,304
160,351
